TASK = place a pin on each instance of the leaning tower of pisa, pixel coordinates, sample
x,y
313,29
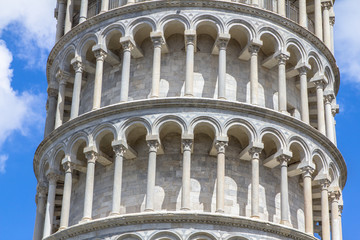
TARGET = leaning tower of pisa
x,y
191,120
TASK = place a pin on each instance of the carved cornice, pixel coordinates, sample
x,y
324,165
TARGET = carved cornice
x,y
126,10
174,103
157,219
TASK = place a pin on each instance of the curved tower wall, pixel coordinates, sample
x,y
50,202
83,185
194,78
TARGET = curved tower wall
x,y
191,120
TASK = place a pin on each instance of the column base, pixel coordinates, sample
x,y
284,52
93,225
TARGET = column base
x,y
149,210
222,98
286,223
62,228
85,219
219,211
285,112
185,209
114,214
255,217
189,95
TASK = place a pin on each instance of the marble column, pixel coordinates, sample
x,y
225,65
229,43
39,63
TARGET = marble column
x,y
125,74
282,100
335,227
326,22
100,56
65,207
320,106
186,179
302,13
190,38
255,181
40,211
158,41
60,20
304,95
104,6
325,221
285,211
318,19
308,205
120,151
255,3
150,195
281,8
83,11
332,23
51,111
329,117
91,157
62,78
130,1
220,183
69,16
254,74
222,44
334,111
340,222
75,104
49,211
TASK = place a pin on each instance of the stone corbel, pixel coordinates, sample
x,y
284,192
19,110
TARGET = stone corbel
x,y
158,37
130,153
221,41
273,60
245,154
136,52
76,164
102,157
272,161
245,53
318,79
297,70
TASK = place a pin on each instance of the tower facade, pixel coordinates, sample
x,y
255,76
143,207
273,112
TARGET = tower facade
x,y
191,119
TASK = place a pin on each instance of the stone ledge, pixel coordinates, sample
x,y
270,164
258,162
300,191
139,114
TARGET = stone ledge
x,y
204,103
223,5
179,218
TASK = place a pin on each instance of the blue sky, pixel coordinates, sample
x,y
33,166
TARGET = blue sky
x,y
27,30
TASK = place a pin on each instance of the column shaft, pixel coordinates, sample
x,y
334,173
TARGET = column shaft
x,y
255,179
255,3
40,214
222,73
60,20
50,118
49,211
76,90
69,16
153,147
189,80
220,183
118,171
89,185
60,104
320,107
281,8
302,13
332,23
329,118
104,6
304,97
254,71
186,180
318,19
308,207
335,228
83,11
100,57
325,212
326,22
156,67
125,74
284,190
282,101
65,208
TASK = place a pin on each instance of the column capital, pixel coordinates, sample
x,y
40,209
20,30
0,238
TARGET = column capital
x,y
157,39
307,171
67,165
52,177
62,1
41,189
328,98
153,145
77,64
319,83
324,183
187,144
335,109
190,37
52,92
326,4
91,156
222,41
220,146
255,152
119,150
127,45
62,77
334,195
283,159
303,68
341,208
99,52
282,57
332,20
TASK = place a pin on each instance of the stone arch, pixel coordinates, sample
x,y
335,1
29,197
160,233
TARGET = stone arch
x,y
131,123
321,165
236,238
270,36
127,236
201,236
54,162
241,130
212,123
44,164
111,29
103,136
334,175
248,127
244,25
162,121
330,77
208,20
277,136
165,235
86,43
143,22
163,22
294,47
316,65
68,55
300,150
110,38
100,131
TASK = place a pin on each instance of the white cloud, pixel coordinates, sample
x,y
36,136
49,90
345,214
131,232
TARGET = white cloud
x,y
32,24
3,159
347,39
